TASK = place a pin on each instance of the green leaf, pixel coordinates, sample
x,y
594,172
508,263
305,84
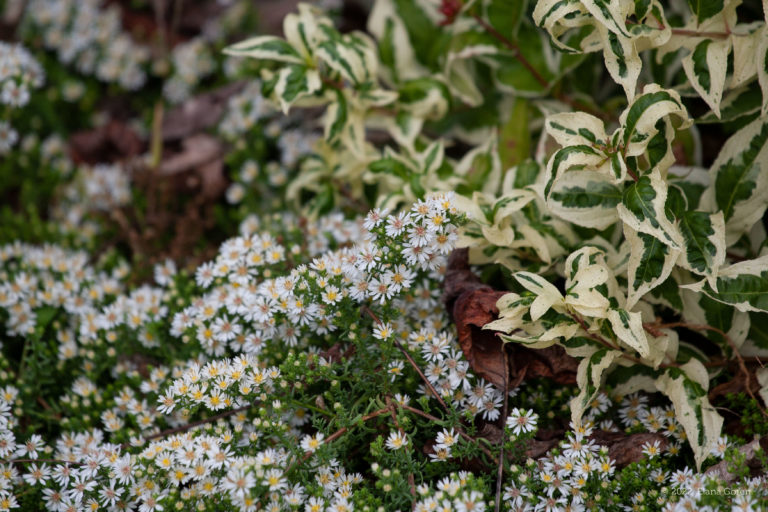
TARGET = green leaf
x,y
427,98
736,104
505,16
701,422
514,136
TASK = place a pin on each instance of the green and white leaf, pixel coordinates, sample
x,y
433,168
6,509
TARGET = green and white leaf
x,y
547,294
761,60
570,158
704,235
266,48
643,209
295,83
639,119
628,327
745,46
706,68
650,263
589,377
395,49
739,180
576,128
621,59
743,285
706,9
586,198
701,422
736,103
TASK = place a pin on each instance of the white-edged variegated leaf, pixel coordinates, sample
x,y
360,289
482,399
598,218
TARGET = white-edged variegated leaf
x,y
352,56
650,263
762,379
706,9
571,157
266,48
642,208
611,14
704,235
628,377
302,29
550,14
745,45
743,285
736,103
427,98
547,294
739,180
628,327
511,308
621,59
586,270
701,422
706,68
761,59
638,121
589,377
576,128
396,52
700,309
586,198
294,83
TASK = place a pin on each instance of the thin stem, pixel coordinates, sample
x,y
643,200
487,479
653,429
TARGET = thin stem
x,y
514,48
189,426
504,411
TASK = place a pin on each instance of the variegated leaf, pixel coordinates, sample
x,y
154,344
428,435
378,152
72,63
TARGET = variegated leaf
x,y
571,157
706,9
739,180
743,285
639,120
586,198
621,59
761,60
704,235
650,263
576,128
701,422
589,377
643,209
706,68
628,327
266,48
547,295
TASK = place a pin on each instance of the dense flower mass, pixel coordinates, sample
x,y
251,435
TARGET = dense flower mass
x,y
432,262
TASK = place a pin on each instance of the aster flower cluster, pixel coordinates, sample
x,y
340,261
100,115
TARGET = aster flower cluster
x,y
251,121
19,73
191,61
90,37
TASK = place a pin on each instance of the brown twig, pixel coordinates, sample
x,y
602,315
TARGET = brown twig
x,y
189,426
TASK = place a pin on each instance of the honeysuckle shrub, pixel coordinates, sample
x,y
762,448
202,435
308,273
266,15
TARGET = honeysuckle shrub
x,y
602,162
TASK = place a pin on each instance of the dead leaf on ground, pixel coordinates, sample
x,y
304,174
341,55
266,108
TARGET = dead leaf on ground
x,y
111,142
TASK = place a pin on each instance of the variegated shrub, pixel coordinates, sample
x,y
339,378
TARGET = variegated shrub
x,y
590,191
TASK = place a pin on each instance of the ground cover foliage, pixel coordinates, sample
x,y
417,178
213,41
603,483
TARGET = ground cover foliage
x,y
390,255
